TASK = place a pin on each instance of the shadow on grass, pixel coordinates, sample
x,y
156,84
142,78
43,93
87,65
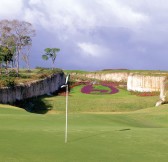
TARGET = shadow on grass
x,y
96,134
35,105
89,136
127,129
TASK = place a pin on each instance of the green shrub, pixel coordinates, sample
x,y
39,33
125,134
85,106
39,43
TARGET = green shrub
x,y
7,81
13,73
42,68
24,76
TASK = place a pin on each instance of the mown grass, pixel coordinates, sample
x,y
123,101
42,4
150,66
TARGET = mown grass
x,y
134,136
98,131
101,87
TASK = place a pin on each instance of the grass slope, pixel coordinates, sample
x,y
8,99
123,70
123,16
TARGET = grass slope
x,y
133,136
122,101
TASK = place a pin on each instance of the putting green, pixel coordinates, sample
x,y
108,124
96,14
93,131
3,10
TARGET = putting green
x,y
135,136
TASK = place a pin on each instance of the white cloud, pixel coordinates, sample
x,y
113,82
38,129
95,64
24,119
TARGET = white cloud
x,y
34,2
93,49
123,15
10,8
61,15
69,18
36,17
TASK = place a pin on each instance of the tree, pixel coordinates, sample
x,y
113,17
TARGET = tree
x,y
23,31
6,56
50,53
26,51
1,59
16,36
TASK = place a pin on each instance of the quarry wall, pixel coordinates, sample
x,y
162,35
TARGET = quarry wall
x,y
135,82
32,89
163,92
144,83
115,77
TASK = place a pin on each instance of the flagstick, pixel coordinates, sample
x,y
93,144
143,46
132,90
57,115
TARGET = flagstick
x,y
66,124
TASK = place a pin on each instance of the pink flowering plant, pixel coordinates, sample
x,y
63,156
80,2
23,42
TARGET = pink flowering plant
x,y
102,88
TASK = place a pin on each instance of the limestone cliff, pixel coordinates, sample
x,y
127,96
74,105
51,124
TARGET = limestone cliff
x,y
115,77
32,89
163,92
144,83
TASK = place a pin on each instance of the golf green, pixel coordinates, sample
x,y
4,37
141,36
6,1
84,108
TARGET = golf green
x,y
137,136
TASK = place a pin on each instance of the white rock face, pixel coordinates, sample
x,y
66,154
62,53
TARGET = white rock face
x,y
163,92
116,77
33,89
142,83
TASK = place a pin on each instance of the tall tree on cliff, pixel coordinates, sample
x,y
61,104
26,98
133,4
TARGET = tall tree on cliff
x,y
23,32
26,51
7,44
18,35
50,53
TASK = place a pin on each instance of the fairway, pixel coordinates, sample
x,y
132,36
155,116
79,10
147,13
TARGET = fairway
x,y
97,132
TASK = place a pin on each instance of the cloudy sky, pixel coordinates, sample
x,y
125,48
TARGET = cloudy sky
x,y
96,34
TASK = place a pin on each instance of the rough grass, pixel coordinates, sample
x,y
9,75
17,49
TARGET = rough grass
x,y
27,76
139,72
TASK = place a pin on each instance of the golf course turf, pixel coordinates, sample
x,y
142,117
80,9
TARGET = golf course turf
x,y
101,128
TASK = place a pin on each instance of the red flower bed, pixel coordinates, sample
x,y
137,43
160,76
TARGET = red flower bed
x,y
90,89
87,89
112,87
78,83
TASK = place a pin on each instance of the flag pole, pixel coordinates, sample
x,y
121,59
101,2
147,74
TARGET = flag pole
x,y
66,116
66,123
